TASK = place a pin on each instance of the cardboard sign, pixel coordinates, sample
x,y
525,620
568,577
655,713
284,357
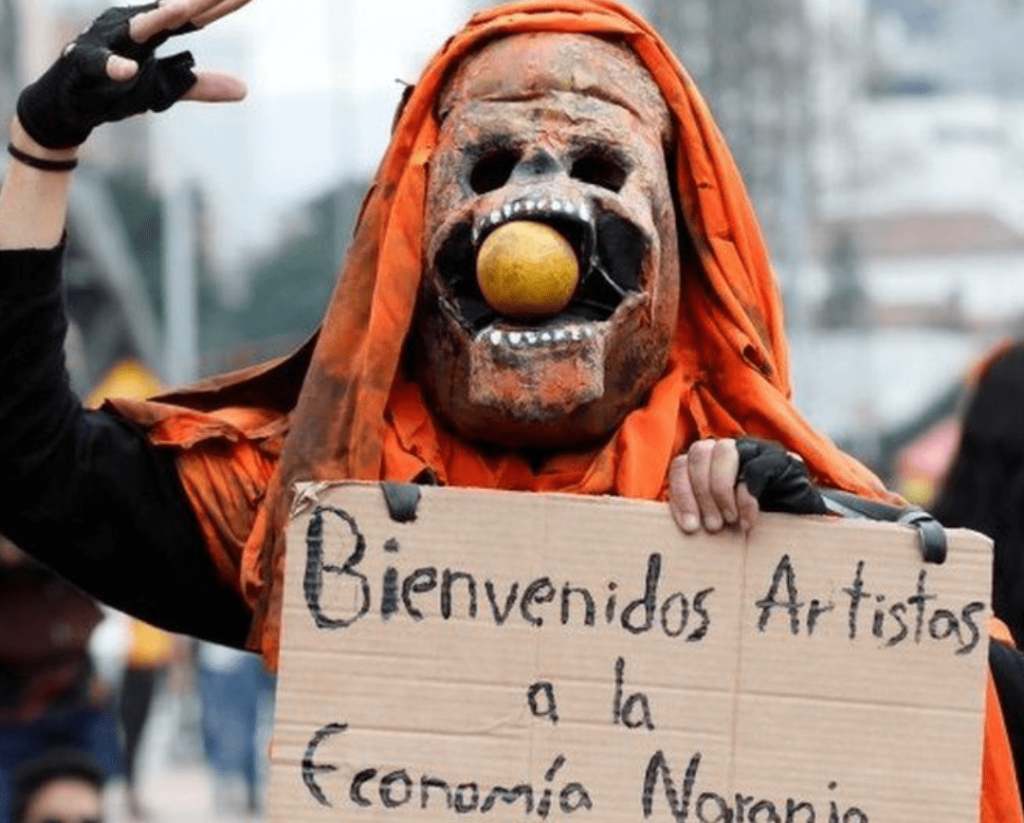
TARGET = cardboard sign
x,y
509,656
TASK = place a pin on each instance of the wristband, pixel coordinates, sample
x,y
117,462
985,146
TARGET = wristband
x,y
39,162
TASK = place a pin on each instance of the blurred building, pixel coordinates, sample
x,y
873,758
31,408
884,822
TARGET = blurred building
x,y
917,253
883,145
753,62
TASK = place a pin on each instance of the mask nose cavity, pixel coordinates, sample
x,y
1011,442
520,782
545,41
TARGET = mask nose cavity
x,y
536,164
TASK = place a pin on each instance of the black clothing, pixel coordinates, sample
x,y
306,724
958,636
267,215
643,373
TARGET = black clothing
x,y
84,491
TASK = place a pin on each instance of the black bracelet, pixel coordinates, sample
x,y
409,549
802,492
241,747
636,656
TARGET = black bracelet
x,y
40,163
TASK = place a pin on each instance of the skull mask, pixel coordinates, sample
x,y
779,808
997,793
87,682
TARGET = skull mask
x,y
570,131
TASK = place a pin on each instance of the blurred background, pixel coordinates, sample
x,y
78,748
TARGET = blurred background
x,y
882,142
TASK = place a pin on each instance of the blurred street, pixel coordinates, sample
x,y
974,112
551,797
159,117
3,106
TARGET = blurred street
x,y
176,783
172,792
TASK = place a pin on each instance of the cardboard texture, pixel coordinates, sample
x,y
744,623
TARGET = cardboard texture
x,y
610,668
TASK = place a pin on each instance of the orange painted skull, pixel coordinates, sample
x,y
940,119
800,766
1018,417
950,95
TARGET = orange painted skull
x,y
568,130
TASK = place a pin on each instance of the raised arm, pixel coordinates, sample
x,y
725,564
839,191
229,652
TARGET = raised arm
x,y
84,491
108,73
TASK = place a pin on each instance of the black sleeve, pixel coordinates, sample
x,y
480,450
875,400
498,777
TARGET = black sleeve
x,y
84,491
1007,667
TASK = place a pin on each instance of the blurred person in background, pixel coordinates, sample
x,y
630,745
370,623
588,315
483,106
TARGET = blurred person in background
x,y
236,697
60,786
151,656
50,694
983,490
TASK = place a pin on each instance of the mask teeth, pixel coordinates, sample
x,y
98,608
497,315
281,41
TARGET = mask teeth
x,y
537,338
530,207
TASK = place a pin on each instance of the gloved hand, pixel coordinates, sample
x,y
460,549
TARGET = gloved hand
x,y
777,479
76,94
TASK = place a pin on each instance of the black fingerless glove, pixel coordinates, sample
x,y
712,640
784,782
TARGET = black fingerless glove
x,y
777,479
75,94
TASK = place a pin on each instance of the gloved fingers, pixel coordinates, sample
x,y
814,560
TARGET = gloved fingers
x,y
213,87
763,472
777,478
88,61
105,76
219,9
172,78
99,63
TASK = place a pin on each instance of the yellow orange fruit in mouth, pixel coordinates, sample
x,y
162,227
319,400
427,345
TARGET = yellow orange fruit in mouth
x,y
527,270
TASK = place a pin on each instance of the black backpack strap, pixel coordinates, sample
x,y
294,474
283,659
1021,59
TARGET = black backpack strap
x,y
930,533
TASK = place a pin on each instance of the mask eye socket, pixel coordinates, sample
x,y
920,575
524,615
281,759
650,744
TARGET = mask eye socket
x,y
493,169
599,167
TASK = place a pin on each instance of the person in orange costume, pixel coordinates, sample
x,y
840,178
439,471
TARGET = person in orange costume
x,y
393,386
726,372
